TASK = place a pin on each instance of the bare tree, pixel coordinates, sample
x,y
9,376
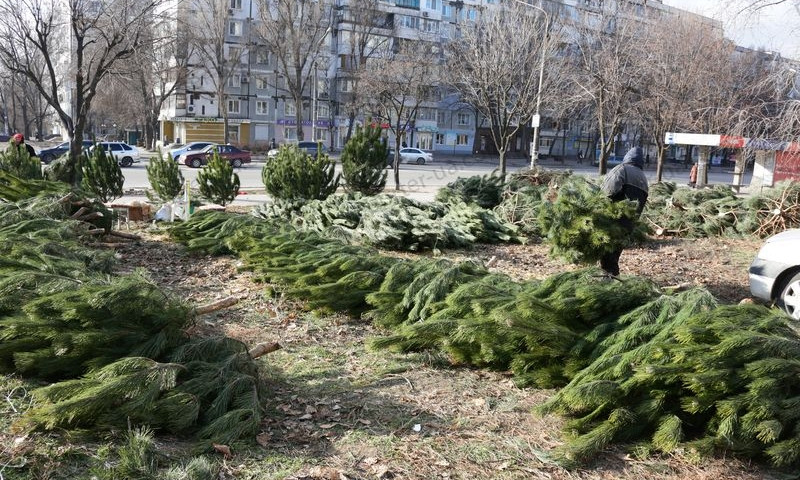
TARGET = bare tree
x,y
140,85
23,108
605,71
674,85
213,52
494,66
65,49
400,83
295,31
364,32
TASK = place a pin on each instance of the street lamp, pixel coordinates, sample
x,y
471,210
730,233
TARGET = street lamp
x,y
535,120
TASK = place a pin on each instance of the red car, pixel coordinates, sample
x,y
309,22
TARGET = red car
x,y
236,156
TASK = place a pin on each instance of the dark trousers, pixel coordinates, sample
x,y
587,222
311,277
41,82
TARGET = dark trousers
x,y
610,262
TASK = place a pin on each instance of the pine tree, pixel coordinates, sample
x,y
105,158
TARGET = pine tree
x,y
165,178
18,162
295,175
582,224
101,175
218,182
364,161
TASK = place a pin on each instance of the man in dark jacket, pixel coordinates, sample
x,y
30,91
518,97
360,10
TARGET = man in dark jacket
x,y
625,181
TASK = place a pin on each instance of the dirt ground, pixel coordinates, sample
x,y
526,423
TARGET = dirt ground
x,y
337,410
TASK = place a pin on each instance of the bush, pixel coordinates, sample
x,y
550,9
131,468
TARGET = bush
x,y
18,162
165,178
101,175
218,182
364,161
295,175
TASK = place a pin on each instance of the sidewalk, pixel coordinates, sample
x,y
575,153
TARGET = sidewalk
x,y
251,197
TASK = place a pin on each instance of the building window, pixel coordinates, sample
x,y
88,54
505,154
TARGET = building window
x,y
322,135
261,83
463,118
234,106
426,114
446,10
235,28
432,4
262,107
440,117
262,56
409,21
407,3
440,139
345,85
235,81
289,133
430,26
462,139
289,110
323,110
234,54
236,4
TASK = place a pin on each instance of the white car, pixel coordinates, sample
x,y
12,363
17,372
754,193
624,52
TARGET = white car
x,y
775,272
125,154
411,155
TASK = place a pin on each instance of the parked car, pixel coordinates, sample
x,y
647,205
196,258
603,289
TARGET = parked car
x,y
236,156
611,162
410,155
312,147
47,155
125,154
775,272
308,147
192,147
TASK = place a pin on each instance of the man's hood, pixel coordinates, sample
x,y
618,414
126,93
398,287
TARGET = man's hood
x,y
635,156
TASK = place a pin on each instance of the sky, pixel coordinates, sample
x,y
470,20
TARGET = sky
x,y
774,28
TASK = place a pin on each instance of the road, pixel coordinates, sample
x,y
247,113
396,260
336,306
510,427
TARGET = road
x,y
422,181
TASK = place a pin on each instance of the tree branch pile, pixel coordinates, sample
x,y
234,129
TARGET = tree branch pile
x,y
395,222
637,364
718,211
114,347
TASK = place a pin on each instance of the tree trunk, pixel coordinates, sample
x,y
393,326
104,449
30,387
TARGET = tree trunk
x,y
298,119
702,166
396,166
352,118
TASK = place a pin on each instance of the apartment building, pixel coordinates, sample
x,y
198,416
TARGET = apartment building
x,y
260,110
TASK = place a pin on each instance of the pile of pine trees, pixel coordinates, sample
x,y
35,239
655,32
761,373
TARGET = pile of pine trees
x,y
529,199
113,349
394,222
718,211
636,363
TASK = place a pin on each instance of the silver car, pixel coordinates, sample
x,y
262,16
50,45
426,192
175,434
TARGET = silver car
x,y
775,272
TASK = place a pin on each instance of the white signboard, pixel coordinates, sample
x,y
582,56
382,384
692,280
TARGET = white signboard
x,y
672,138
